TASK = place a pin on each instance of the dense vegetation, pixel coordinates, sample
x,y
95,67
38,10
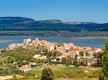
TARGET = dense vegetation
x,y
104,72
105,60
12,60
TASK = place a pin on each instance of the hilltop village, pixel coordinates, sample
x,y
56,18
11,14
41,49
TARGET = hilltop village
x,y
58,53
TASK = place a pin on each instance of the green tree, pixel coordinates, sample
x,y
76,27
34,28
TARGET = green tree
x,y
75,61
68,61
63,60
105,60
101,76
10,59
47,74
81,53
57,60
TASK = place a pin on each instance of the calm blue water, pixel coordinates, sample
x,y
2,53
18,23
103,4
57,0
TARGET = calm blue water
x,y
97,42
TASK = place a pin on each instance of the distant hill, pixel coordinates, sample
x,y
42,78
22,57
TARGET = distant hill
x,y
13,20
23,24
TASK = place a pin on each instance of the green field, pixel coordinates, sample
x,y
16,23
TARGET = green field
x,y
64,73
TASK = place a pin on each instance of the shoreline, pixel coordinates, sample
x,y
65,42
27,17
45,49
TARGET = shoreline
x,y
59,36
55,33
81,41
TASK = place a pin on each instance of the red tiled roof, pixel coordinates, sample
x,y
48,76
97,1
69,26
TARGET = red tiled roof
x,y
75,49
24,67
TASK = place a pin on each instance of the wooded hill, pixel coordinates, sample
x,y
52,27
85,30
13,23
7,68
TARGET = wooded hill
x,y
28,24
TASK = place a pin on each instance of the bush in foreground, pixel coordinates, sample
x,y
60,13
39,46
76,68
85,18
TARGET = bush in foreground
x,y
47,74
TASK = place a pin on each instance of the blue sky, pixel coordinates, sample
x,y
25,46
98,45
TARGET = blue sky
x,y
65,10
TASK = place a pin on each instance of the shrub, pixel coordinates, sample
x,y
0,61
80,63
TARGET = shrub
x,y
47,74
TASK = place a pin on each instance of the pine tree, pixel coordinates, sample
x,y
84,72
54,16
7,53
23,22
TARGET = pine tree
x,y
47,74
105,60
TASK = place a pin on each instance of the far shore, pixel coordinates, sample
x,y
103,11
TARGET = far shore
x,y
56,36
45,33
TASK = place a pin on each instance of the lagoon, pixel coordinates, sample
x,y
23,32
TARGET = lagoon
x,y
94,42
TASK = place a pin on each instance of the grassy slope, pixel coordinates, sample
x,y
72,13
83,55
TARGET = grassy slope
x,y
66,73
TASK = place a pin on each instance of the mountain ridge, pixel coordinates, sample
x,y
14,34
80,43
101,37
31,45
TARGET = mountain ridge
x,y
23,23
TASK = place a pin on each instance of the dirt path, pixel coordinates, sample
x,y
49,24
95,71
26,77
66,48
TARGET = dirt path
x,y
8,77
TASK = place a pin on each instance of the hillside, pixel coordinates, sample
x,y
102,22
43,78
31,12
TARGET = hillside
x,y
28,24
